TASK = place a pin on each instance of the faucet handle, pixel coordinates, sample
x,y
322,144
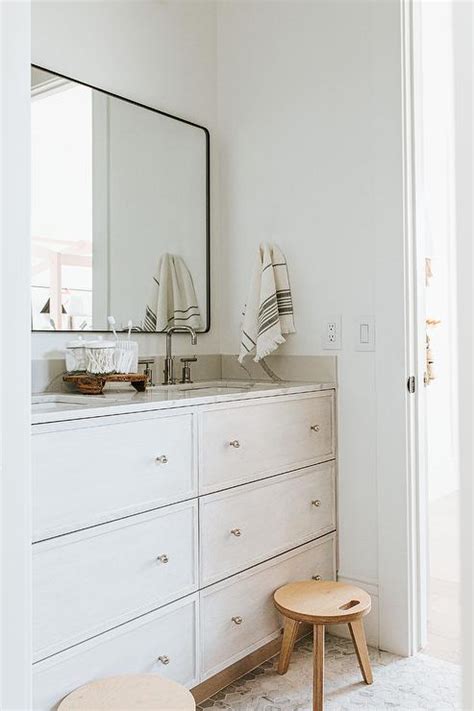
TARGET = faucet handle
x,y
186,374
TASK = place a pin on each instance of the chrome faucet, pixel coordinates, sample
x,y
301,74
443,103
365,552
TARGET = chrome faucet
x,y
168,371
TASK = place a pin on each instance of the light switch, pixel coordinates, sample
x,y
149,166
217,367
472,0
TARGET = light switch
x,y
364,332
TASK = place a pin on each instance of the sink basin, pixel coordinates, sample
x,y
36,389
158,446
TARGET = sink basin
x,y
54,402
214,387
216,390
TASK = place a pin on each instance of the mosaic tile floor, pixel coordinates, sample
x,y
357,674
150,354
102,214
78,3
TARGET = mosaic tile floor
x,y
420,682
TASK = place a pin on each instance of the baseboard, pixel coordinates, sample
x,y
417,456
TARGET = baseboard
x,y
371,621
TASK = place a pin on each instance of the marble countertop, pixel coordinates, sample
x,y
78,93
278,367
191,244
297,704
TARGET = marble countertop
x,y
59,407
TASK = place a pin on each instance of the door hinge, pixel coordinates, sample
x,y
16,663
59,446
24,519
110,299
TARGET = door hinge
x,y
411,384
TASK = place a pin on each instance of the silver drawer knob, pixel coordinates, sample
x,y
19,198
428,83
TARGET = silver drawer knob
x,y
235,443
163,558
237,620
164,659
316,503
236,532
315,428
316,577
163,459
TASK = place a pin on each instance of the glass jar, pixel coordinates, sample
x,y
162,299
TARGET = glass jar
x,y
100,357
76,359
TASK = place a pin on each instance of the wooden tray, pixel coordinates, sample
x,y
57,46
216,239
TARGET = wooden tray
x,y
94,384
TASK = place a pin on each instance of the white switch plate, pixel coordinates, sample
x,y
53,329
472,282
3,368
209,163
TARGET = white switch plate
x,y
364,333
331,336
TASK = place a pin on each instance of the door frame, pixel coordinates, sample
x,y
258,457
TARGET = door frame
x,y
400,416
15,360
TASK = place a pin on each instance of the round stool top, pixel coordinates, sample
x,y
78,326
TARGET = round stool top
x,y
129,692
322,602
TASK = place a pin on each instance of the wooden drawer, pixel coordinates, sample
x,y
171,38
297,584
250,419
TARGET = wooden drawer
x,y
248,596
243,526
273,435
90,581
89,472
133,648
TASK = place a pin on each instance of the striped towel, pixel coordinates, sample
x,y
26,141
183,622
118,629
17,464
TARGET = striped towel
x,y
173,299
268,313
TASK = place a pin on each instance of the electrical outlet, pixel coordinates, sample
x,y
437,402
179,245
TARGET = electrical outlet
x,y
331,334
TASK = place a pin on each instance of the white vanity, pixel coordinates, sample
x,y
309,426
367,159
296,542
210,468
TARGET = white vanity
x,y
164,521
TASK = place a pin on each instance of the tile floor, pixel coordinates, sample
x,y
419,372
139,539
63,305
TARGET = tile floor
x,y
444,625
420,682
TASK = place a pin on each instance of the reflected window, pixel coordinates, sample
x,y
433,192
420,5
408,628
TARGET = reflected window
x,y
61,122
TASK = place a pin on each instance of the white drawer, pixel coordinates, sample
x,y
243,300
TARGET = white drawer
x,y
274,435
133,648
87,582
88,472
243,526
249,596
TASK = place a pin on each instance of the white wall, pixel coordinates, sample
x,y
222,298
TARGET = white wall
x,y
295,106
159,53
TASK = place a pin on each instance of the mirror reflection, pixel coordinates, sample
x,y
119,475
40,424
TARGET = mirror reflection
x,y
119,213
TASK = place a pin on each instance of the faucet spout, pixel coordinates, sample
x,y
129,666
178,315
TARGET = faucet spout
x,y
168,371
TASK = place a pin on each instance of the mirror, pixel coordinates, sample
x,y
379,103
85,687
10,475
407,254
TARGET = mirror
x,y
120,212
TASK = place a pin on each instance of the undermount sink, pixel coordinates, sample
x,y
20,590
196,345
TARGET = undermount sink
x,y
57,401
217,387
216,390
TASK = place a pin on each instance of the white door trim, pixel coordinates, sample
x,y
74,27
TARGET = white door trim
x,y
416,328
15,363
399,415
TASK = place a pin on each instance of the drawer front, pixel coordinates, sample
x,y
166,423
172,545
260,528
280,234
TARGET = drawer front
x,y
134,648
246,525
91,473
247,600
90,581
273,436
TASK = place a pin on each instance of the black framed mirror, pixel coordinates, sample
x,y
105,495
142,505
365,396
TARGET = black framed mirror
x,y
120,212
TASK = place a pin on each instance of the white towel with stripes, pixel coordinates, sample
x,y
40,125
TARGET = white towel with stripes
x,y
268,312
173,299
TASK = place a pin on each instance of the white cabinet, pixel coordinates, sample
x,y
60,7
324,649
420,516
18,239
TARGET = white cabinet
x,y
248,441
91,471
161,536
244,526
93,580
238,615
164,642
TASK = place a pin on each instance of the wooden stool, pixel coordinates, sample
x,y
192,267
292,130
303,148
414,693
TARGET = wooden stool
x,y
322,603
129,692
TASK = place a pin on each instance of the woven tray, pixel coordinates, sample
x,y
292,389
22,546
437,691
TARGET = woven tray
x,y
94,384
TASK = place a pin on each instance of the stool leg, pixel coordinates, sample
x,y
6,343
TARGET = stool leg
x,y
356,629
318,667
287,644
